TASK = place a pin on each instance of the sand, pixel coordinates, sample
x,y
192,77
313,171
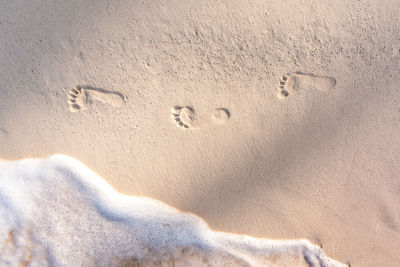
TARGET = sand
x,y
291,108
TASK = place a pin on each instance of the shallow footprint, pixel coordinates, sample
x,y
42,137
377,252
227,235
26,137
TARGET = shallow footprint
x,y
81,97
298,81
185,118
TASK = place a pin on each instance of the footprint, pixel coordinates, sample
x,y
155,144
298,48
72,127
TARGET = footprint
x,y
81,97
185,117
298,81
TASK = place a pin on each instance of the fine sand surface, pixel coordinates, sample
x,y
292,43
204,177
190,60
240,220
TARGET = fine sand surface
x,y
274,119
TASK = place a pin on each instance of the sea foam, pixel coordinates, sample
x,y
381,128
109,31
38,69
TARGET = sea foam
x,y
57,212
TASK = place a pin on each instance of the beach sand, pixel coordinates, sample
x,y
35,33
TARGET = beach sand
x,y
272,119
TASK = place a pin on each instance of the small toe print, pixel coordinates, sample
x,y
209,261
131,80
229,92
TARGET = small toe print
x,y
182,116
284,93
176,109
74,107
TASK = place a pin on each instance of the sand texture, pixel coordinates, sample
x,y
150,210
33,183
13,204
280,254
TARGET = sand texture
x,y
273,119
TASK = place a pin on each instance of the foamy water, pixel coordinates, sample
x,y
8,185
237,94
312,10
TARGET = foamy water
x,y
57,212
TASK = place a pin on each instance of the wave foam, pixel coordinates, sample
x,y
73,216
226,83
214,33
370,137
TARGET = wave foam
x,y
57,212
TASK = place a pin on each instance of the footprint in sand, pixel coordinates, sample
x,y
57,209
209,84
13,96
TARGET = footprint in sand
x,y
185,117
298,81
81,97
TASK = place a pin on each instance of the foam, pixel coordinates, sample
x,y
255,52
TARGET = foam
x,y
57,212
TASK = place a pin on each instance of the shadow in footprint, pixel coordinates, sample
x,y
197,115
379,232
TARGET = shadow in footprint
x,y
299,81
186,118
81,97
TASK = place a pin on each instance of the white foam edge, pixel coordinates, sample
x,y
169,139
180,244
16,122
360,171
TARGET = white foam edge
x,y
46,202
